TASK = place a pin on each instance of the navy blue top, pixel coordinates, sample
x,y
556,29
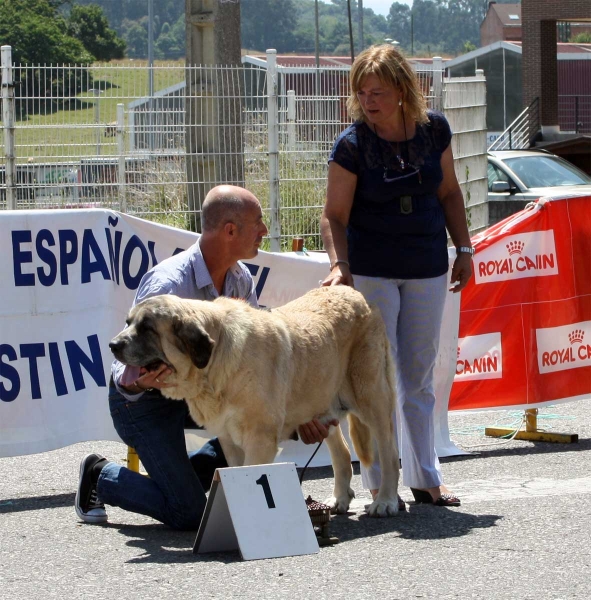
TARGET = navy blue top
x,y
382,240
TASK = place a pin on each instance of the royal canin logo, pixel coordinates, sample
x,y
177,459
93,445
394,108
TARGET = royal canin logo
x,y
518,256
515,247
563,348
479,357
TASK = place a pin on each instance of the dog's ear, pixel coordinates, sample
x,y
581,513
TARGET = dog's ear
x,y
194,341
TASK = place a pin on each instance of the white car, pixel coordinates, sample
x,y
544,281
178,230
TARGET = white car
x,y
517,177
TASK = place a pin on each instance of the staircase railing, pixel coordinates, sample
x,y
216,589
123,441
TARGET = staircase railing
x,y
522,132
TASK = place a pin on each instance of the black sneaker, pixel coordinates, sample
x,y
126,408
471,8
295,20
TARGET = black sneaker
x,y
88,506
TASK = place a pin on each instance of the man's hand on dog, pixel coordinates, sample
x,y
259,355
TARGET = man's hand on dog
x,y
314,431
150,379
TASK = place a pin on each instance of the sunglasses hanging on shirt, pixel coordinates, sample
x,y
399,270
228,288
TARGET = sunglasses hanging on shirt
x,y
406,169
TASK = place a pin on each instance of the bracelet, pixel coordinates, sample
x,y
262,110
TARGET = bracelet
x,y
465,250
341,262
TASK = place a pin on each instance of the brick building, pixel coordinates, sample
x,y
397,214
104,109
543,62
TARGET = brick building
x,y
539,66
502,23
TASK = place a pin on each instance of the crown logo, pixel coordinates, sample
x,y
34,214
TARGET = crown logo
x,y
515,247
576,336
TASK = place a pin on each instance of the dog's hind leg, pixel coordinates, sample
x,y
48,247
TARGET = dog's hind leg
x,y
343,472
374,388
386,502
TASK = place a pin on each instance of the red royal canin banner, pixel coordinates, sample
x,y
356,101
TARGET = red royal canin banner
x,y
525,317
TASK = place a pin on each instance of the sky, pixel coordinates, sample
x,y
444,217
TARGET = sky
x,y
382,7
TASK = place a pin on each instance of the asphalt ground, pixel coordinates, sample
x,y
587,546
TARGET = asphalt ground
x,y
523,531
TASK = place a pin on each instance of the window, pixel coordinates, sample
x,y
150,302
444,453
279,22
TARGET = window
x,y
546,171
495,174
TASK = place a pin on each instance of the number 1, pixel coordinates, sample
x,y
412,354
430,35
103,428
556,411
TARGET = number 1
x,y
264,482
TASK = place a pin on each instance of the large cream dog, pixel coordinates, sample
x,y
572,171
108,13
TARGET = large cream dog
x,y
253,376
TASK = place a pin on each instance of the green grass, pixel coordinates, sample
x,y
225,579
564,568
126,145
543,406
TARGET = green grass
x,y
70,134
161,195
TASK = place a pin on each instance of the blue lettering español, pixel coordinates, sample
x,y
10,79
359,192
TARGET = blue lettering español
x,y
50,258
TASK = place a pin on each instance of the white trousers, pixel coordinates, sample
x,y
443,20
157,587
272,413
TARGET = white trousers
x,y
412,310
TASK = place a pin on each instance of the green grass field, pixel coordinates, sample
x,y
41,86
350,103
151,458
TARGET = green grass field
x,y
70,134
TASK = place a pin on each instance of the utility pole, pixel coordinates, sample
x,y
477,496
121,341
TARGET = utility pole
x,y
412,33
214,97
360,24
151,74
350,30
317,55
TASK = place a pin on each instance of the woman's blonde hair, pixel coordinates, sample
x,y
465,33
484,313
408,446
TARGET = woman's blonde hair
x,y
393,69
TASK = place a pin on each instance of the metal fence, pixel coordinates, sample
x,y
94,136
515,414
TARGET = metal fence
x,y
93,136
574,113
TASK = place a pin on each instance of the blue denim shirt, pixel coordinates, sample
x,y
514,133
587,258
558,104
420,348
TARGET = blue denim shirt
x,y
185,275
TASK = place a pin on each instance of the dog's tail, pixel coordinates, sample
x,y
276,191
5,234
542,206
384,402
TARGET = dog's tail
x,y
361,437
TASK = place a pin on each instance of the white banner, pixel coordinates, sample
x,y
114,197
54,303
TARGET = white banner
x,y
69,278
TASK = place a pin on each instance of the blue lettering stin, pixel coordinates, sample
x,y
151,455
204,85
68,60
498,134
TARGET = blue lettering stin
x,y
92,364
59,380
8,372
33,352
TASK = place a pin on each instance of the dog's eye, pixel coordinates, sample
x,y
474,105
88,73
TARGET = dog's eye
x,y
145,326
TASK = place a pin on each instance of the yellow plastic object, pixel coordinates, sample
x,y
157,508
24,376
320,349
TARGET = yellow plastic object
x,y
532,433
133,460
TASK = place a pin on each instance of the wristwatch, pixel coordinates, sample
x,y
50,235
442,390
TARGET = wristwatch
x,y
465,250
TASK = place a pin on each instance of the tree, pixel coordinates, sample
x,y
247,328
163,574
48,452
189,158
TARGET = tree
x,y
399,23
170,42
581,38
268,24
89,25
38,36
137,41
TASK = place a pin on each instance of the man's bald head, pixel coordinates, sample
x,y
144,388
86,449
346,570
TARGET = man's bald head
x,y
226,204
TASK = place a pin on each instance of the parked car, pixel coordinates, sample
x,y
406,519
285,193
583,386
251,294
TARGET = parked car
x,y
516,177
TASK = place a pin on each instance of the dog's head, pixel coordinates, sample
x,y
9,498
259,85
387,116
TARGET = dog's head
x,y
157,330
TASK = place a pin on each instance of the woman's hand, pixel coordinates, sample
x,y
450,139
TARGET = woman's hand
x,y
340,275
461,272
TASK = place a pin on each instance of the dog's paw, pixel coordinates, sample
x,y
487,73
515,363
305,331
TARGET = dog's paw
x,y
382,508
339,505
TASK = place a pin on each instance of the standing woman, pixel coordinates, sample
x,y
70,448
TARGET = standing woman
x,y
392,191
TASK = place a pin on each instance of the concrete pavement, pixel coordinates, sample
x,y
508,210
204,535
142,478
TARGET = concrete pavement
x,y
522,531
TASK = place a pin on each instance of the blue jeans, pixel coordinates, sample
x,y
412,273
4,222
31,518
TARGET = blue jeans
x,y
174,492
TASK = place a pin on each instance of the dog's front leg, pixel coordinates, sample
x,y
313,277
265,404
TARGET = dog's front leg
x,y
233,453
260,448
343,472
